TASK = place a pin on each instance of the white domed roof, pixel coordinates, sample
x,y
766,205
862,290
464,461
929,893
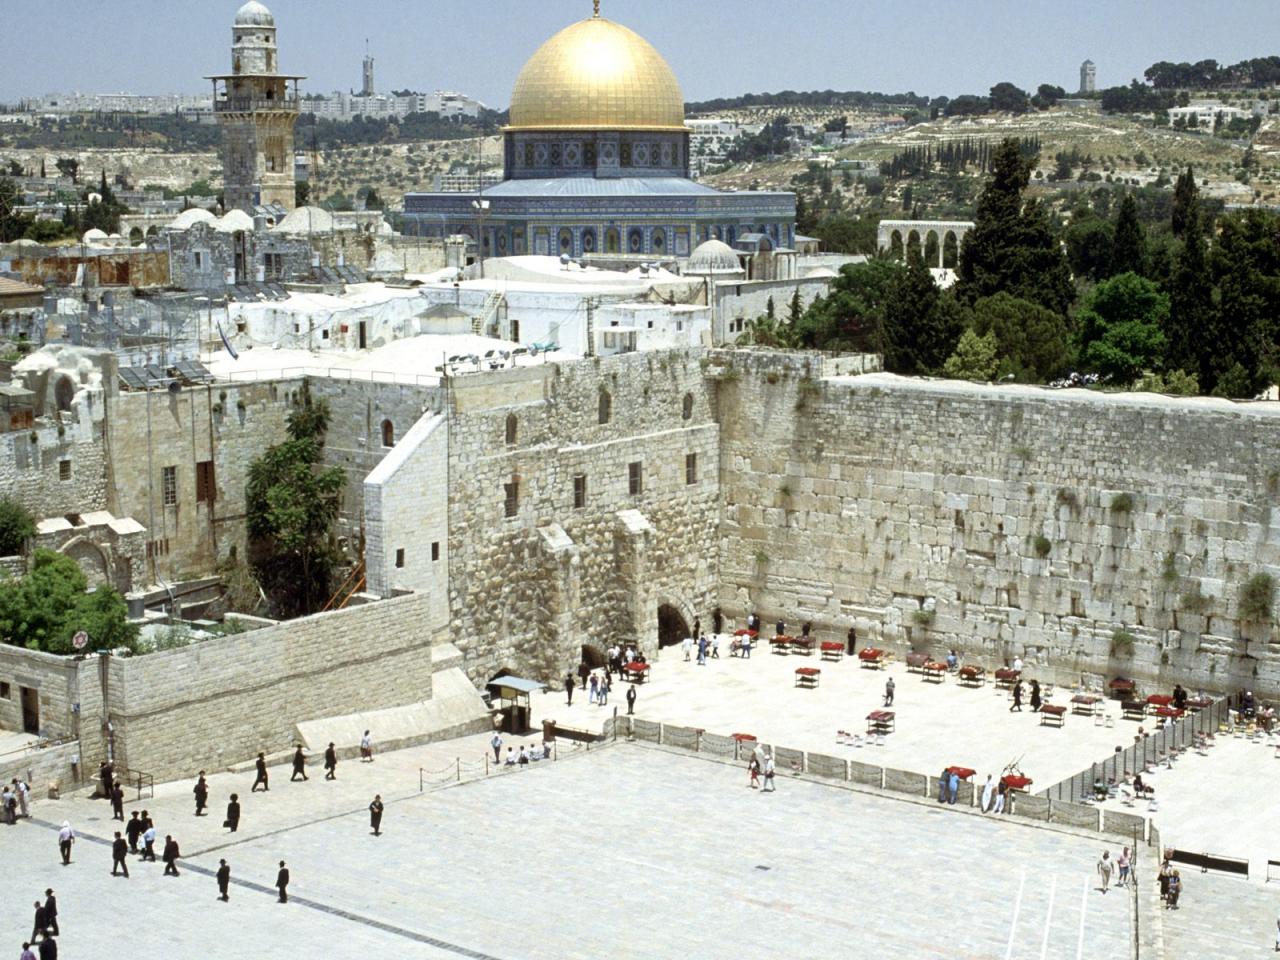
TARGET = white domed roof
x,y
825,273
306,220
232,221
713,256
93,235
189,218
254,14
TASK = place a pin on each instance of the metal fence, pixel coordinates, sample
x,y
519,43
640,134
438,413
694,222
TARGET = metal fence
x,y
1157,746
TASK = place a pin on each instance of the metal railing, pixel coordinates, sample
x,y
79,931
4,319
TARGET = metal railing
x,y
465,771
250,104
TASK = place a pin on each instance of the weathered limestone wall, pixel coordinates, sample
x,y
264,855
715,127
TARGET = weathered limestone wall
x,y
1002,520
31,468
221,701
526,592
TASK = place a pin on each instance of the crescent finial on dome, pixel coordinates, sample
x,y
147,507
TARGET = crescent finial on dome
x,y
596,4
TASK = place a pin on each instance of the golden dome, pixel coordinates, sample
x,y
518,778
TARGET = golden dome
x,y
598,75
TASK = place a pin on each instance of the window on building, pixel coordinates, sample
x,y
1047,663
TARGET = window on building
x,y
686,409
169,485
690,468
64,469
435,550
635,478
6,693
274,265
400,557
206,491
579,491
512,492
197,258
388,433
513,428
606,406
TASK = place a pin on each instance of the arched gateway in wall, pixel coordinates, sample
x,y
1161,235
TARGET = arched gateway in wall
x,y
938,240
672,626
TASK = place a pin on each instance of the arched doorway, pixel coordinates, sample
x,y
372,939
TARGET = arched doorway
x,y
950,251
895,245
932,256
593,656
672,626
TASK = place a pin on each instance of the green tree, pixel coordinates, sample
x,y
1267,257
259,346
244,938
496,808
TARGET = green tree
x,y
46,608
1013,247
301,193
1185,194
1245,264
795,310
1129,246
851,315
974,357
291,505
841,234
12,224
17,526
1189,329
1121,327
69,167
1033,343
920,326
1088,241
1008,98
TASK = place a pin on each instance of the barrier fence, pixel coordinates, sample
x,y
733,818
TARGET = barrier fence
x,y
463,771
1155,747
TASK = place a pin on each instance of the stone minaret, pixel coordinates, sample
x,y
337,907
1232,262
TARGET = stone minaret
x,y
256,110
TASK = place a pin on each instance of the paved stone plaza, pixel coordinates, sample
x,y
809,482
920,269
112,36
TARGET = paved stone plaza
x,y
937,724
549,861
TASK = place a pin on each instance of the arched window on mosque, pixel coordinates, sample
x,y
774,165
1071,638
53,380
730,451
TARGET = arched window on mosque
x,y
388,434
606,406
659,240
513,429
566,240
612,240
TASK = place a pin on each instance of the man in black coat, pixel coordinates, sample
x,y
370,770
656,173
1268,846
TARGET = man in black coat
x,y
282,882
170,856
583,672
117,803
51,912
631,699
330,763
119,850
568,688
299,765
40,922
48,948
232,822
224,880
133,830
106,774
375,815
201,790
262,774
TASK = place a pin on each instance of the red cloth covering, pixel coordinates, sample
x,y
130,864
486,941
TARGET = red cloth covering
x,y
971,671
807,671
1121,683
964,773
1088,699
1200,703
1008,673
832,645
1160,699
636,667
880,715
935,665
740,737
1167,712
1053,709
781,638
870,653
746,633
1015,782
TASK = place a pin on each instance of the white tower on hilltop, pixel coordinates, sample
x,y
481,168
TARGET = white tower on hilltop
x,y
256,111
1088,77
367,88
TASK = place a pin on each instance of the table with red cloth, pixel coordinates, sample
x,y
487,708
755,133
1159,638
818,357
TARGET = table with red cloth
x,y
807,676
1015,781
935,671
964,773
1199,703
1122,688
832,650
916,661
880,721
1006,677
973,676
1051,714
780,643
743,737
802,645
1168,713
1085,703
743,632
1133,709
1160,700
636,672
871,657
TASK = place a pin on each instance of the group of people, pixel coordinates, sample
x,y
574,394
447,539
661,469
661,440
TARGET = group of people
x,y
15,801
600,685
1171,886
44,929
1123,865
531,754
996,796
761,765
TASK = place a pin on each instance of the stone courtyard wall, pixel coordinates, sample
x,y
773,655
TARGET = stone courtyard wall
x,y
1091,534
526,592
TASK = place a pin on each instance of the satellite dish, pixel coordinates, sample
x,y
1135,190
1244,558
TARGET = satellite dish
x,y
175,387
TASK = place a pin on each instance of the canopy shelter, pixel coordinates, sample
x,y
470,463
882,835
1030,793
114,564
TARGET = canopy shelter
x,y
511,696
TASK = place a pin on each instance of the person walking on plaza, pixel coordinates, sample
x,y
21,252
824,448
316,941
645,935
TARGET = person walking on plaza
x,y
149,843
24,797
702,651
602,693
224,880
232,822
10,801
1122,863
768,774
888,692
29,954
988,795
261,765
1104,870
1001,792
631,700
170,856
1175,891
851,641
496,744
366,748
583,672
48,947
1035,696
282,883
107,779
568,689
591,694
66,837
51,912
753,768
375,814
299,765
330,762
687,646
117,803
133,830
953,786
1017,697
201,791
119,850
41,922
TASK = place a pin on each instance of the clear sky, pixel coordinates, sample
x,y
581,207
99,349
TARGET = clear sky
x,y
717,47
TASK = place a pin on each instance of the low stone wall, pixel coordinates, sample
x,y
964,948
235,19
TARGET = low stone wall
x,y
866,773
904,781
1032,807
646,730
41,768
1074,815
833,768
787,760
1126,824
684,737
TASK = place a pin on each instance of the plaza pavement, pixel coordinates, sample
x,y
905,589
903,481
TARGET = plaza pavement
x,y
938,725
625,851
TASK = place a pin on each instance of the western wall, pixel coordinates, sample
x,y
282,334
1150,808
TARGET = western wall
x,y
1092,534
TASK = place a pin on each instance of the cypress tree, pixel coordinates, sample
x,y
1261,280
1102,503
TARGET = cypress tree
x,y
1188,330
1129,246
1184,195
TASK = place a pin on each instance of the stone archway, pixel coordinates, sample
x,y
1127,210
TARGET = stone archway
x,y
672,626
932,249
896,246
91,560
950,251
593,656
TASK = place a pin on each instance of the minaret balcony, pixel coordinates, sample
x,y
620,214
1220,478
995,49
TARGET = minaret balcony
x,y
256,105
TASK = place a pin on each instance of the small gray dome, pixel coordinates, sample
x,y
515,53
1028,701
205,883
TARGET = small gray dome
x,y
713,256
254,14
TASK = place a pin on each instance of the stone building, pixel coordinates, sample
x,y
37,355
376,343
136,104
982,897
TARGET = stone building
x,y
256,111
